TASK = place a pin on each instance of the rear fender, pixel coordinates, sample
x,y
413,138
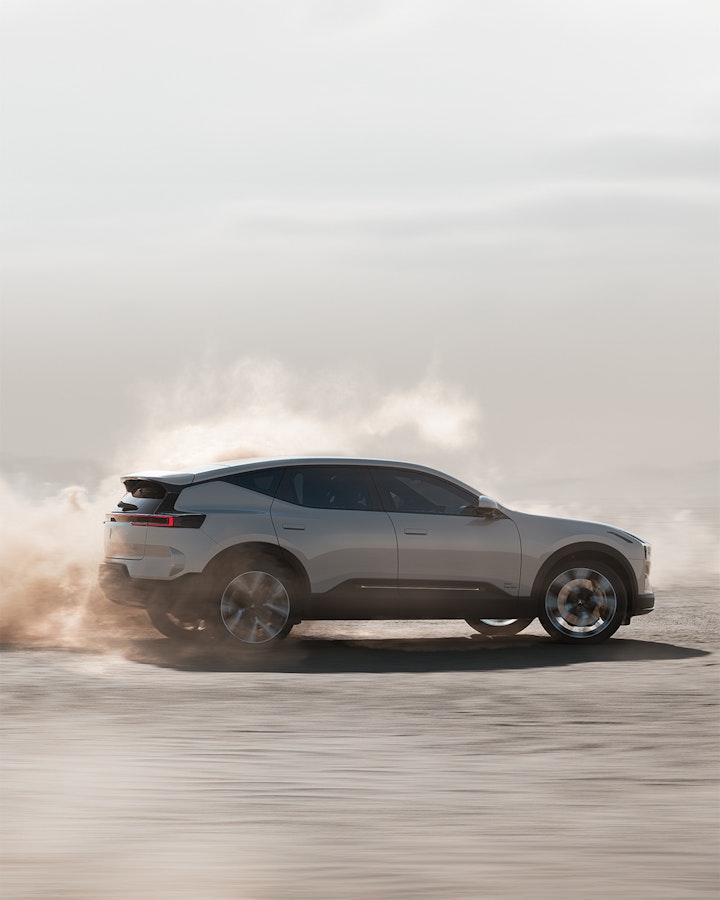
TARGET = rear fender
x,y
241,552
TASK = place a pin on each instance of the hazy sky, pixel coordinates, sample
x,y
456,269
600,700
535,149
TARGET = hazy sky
x,y
508,209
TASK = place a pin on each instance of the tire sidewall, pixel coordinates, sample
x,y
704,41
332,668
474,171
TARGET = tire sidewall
x,y
618,585
231,569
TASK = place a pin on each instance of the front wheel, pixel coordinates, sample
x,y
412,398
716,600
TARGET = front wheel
x,y
583,601
498,627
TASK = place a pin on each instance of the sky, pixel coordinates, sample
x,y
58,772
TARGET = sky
x,y
482,236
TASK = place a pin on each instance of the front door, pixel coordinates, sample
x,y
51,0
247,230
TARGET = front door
x,y
451,564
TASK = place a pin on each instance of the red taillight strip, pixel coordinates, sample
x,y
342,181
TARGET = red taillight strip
x,y
158,521
143,519
155,521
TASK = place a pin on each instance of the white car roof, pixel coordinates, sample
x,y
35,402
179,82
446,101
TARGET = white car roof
x,y
231,467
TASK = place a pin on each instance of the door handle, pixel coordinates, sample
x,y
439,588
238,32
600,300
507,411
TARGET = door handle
x,y
293,527
415,531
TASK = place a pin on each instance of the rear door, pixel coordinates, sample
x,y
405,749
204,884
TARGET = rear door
x,y
329,516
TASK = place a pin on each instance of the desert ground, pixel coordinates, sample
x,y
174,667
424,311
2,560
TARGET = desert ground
x,y
389,760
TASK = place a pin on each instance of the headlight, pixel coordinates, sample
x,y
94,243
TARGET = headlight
x,y
648,549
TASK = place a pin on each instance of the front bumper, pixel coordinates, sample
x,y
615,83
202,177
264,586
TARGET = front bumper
x,y
644,604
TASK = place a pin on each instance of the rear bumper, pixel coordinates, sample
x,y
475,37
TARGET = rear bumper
x,y
120,587
117,585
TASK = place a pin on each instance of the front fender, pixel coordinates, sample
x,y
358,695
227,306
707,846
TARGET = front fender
x,y
587,550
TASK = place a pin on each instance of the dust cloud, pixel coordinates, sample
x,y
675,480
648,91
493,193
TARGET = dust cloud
x,y
48,568
261,407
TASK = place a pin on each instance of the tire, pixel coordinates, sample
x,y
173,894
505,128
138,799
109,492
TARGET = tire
x,y
583,600
179,624
256,600
499,627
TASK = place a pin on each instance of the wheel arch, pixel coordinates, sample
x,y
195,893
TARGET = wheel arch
x,y
590,550
241,551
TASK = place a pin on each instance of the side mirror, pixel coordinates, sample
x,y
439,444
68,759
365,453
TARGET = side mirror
x,y
485,507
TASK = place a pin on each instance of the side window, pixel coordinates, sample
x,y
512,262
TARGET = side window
x,y
262,481
328,487
417,492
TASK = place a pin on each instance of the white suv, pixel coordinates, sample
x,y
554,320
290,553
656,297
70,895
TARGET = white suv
x,y
248,549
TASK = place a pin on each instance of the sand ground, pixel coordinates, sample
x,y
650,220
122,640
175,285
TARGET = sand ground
x,y
389,760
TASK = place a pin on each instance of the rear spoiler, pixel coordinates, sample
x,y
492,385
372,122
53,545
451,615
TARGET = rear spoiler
x,y
162,477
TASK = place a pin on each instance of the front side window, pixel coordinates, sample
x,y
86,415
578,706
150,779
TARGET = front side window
x,y
327,487
418,492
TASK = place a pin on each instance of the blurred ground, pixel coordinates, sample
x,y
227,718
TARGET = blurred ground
x,y
390,760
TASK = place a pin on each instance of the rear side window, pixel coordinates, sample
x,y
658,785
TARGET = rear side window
x,y
328,487
262,481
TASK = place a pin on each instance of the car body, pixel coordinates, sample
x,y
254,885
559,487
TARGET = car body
x,y
250,548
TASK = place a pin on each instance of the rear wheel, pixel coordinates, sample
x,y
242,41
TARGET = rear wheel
x,y
583,601
498,627
257,600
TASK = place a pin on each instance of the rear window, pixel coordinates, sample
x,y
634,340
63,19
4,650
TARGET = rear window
x,y
142,496
262,481
145,490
